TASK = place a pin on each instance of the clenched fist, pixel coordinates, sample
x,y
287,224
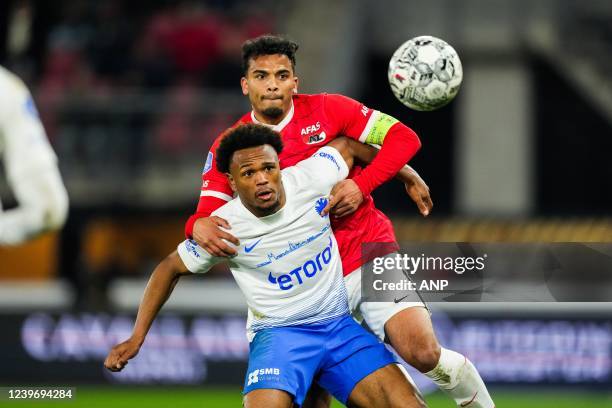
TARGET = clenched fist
x,y
120,354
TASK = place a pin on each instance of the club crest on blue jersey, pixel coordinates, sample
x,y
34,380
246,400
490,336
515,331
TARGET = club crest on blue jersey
x,y
320,205
209,163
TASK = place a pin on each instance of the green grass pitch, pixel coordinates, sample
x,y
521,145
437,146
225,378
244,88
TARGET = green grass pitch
x,y
154,397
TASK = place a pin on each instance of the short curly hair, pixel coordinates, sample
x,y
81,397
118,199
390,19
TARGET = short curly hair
x,y
243,137
268,44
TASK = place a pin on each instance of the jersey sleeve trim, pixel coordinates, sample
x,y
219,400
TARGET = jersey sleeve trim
x,y
369,125
222,196
189,253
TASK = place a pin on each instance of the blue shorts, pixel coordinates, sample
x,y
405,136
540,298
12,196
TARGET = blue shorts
x,y
336,354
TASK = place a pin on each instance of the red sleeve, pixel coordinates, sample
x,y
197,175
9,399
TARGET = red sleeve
x,y
400,145
348,117
215,191
353,119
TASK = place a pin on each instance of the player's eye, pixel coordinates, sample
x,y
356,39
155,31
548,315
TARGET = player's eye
x,y
247,173
259,76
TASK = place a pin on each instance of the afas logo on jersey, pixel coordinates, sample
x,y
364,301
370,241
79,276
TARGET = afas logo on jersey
x,y
311,129
311,135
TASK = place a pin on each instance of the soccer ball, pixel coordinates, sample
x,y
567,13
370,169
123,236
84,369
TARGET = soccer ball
x,y
425,73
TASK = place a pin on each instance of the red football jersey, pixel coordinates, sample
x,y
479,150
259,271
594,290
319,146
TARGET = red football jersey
x,y
312,122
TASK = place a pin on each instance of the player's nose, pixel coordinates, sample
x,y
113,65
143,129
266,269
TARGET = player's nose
x,y
272,85
261,179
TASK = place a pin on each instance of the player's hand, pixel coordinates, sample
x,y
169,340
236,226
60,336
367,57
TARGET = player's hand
x,y
209,236
344,199
119,355
419,193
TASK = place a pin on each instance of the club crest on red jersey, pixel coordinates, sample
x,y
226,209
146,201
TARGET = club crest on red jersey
x,y
311,135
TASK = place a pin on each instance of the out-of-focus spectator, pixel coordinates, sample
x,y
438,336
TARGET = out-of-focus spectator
x,y
193,40
110,43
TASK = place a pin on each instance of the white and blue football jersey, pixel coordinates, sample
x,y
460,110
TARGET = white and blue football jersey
x,y
288,265
30,166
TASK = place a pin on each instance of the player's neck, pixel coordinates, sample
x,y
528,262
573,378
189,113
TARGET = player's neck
x,y
267,120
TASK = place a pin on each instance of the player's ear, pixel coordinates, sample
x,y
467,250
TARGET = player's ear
x,y
244,85
231,181
297,82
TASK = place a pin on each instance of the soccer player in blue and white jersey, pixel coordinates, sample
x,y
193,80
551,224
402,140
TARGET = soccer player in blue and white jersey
x,y
30,166
289,269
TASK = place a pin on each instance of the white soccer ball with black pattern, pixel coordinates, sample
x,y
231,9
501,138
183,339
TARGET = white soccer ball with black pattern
x,y
425,73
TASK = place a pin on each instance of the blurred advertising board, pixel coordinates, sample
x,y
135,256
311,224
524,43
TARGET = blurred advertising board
x,y
187,348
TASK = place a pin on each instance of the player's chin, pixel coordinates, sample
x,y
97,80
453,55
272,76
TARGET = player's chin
x,y
273,110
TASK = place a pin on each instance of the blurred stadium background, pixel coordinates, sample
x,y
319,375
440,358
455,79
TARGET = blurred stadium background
x,y
132,94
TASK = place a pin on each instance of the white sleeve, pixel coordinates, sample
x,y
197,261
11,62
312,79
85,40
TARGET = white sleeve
x,y
31,169
25,144
42,206
195,258
324,169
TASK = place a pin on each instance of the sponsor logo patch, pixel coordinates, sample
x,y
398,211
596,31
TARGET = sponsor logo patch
x,y
310,129
329,157
265,373
313,139
209,163
248,248
308,270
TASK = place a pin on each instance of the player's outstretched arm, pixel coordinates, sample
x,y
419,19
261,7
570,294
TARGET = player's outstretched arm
x,y
161,284
417,189
399,144
345,195
415,186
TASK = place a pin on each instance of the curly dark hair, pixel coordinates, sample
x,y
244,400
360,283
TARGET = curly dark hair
x,y
243,137
268,44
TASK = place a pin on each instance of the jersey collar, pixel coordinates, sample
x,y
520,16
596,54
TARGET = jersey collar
x,y
281,125
270,218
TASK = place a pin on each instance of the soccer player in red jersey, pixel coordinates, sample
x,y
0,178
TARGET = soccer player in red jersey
x,y
306,122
